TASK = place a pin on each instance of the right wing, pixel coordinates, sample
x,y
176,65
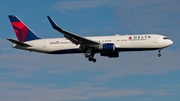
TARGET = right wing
x,y
19,43
73,37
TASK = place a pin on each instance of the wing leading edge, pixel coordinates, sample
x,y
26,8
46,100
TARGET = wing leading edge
x,y
72,37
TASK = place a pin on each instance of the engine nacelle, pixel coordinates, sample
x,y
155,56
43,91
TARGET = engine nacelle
x,y
110,54
107,47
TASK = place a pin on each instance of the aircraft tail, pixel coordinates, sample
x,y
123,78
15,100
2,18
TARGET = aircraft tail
x,y
23,33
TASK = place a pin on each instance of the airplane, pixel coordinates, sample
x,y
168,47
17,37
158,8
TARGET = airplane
x,y
108,46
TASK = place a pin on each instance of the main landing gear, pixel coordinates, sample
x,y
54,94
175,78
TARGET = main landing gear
x,y
89,53
90,56
159,54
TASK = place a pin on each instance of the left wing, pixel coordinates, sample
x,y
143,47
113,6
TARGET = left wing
x,y
73,37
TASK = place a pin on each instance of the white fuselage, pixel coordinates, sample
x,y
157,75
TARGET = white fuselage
x,y
122,43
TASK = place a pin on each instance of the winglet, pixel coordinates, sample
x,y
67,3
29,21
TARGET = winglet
x,y
53,24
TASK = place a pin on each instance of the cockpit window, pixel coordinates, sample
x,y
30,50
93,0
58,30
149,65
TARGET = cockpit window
x,y
165,38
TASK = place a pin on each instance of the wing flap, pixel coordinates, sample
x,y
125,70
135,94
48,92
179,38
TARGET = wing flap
x,y
19,43
72,37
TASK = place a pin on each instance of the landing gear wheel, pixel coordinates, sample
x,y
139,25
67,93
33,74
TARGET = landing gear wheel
x,y
86,55
94,60
90,59
159,55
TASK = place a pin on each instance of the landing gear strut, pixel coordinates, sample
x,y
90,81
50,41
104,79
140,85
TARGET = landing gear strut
x,y
159,54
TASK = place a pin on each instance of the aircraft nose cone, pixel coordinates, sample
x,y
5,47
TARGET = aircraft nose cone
x,y
170,42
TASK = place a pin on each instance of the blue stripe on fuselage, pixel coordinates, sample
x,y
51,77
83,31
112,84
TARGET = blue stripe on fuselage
x,y
66,51
77,50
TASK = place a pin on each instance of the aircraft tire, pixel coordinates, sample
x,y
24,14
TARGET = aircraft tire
x,y
90,59
159,55
94,60
86,55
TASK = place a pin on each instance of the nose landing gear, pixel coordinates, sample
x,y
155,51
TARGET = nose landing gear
x,y
159,54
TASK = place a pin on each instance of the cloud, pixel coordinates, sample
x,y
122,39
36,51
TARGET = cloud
x,y
159,13
79,4
117,93
18,91
77,91
22,64
161,92
133,16
145,63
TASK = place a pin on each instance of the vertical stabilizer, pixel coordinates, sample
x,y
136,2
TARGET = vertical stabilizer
x,y
23,33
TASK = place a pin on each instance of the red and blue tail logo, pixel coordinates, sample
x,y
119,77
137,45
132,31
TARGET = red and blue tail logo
x,y
23,33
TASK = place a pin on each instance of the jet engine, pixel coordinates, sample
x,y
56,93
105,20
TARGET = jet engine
x,y
107,47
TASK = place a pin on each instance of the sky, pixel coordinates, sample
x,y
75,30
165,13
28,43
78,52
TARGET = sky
x,y
134,76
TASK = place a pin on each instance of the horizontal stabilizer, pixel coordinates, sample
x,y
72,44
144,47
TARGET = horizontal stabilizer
x,y
19,43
